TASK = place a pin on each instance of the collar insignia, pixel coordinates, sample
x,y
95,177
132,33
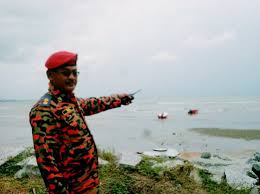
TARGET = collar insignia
x,y
45,101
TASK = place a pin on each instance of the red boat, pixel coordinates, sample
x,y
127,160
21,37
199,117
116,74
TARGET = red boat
x,y
193,111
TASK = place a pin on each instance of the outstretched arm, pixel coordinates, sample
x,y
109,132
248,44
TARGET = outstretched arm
x,y
44,129
95,105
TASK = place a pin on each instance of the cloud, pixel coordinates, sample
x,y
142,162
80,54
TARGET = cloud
x,y
163,57
207,41
125,43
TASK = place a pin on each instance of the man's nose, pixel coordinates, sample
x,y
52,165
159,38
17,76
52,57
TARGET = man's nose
x,y
72,76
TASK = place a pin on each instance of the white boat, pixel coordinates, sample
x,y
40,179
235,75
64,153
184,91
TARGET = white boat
x,y
162,115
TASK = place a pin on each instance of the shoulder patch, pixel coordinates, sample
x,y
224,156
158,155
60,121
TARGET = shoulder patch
x,y
45,100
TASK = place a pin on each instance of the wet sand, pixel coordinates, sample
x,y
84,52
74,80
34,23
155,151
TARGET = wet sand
x,y
247,134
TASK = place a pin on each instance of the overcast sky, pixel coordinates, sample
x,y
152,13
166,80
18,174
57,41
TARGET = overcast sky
x,y
166,47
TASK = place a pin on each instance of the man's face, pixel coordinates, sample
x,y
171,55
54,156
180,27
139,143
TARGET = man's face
x,y
64,78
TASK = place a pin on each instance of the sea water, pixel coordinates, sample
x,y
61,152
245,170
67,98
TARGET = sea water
x,y
137,128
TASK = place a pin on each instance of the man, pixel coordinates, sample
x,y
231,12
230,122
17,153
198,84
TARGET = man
x,y
65,149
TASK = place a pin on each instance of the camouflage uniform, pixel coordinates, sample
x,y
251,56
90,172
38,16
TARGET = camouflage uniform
x,y
65,149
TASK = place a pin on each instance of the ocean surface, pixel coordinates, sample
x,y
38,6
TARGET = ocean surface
x,y
136,127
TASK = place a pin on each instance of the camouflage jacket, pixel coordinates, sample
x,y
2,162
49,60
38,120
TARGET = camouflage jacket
x,y
65,149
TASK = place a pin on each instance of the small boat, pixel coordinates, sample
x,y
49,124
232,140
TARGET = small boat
x,y
160,149
162,115
193,111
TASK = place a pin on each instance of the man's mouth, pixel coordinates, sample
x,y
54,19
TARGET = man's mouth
x,y
70,83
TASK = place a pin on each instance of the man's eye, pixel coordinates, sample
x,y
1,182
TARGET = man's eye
x,y
66,73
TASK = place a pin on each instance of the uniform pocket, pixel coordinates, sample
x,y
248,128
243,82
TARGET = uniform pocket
x,y
66,113
71,119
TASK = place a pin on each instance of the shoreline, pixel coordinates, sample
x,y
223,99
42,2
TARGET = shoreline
x,y
214,140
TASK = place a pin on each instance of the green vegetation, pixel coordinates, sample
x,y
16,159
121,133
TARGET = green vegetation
x,y
107,155
248,134
9,168
119,179
10,185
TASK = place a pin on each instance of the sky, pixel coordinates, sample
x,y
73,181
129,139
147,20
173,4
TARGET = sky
x,y
166,48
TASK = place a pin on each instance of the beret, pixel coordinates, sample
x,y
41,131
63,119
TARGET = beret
x,y
60,58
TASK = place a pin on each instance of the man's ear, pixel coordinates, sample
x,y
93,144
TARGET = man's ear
x,y
49,74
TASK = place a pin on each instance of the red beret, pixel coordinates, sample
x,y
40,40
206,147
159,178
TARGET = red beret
x,y
61,58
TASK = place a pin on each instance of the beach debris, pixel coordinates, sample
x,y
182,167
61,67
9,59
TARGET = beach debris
x,y
228,170
254,162
256,156
169,163
162,115
218,174
102,162
205,155
256,170
30,161
251,174
254,190
193,111
129,159
211,162
178,186
189,155
254,159
171,153
236,178
194,174
222,157
33,191
29,168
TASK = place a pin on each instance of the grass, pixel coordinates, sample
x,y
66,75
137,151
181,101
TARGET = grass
x,y
248,134
118,179
10,185
107,155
